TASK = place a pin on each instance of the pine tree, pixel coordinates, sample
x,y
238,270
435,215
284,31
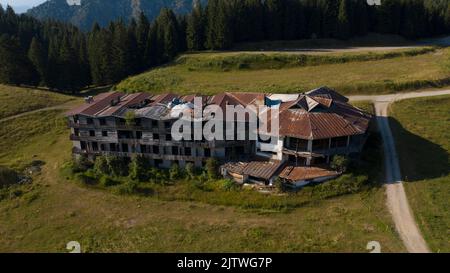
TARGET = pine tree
x,y
219,28
168,35
360,18
195,32
38,57
294,20
447,17
330,9
343,21
83,62
274,12
15,68
255,20
120,56
142,30
152,50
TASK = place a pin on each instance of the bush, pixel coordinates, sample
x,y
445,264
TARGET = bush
x,y
88,177
212,168
175,172
117,165
279,185
130,118
101,165
190,170
229,185
8,177
107,181
339,163
81,164
140,169
129,187
345,184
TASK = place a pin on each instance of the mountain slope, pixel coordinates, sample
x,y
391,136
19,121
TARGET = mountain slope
x,y
104,11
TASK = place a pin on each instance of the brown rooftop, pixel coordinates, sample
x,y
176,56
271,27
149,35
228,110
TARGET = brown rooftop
x,y
264,169
318,114
294,174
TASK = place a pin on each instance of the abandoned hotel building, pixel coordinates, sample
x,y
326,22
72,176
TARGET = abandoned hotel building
x,y
313,127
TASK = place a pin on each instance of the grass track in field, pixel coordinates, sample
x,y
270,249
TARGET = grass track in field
x,y
15,100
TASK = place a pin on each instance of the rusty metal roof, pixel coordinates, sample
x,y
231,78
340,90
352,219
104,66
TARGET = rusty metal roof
x,y
327,93
294,174
98,103
126,102
264,169
318,114
320,117
249,98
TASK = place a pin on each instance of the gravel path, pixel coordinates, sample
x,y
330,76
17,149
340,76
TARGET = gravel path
x,y
397,201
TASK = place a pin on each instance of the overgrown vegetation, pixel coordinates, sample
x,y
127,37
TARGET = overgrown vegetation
x,y
204,185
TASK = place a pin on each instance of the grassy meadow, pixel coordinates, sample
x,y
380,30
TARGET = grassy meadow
x,y
349,73
53,210
421,128
16,100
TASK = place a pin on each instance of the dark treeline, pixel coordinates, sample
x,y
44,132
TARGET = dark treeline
x,y
60,56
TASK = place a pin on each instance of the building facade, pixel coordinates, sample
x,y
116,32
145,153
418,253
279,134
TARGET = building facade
x,y
313,127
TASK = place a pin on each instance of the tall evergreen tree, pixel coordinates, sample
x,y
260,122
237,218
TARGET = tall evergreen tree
x,y
15,68
255,20
195,32
330,10
343,20
219,33
38,57
143,27
447,17
168,35
67,64
274,12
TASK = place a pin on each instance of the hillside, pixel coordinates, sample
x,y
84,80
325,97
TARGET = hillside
x,y
365,72
105,222
105,11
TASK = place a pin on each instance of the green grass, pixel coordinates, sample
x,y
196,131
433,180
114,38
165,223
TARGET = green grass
x,y
15,100
422,131
23,132
210,73
52,211
228,61
366,106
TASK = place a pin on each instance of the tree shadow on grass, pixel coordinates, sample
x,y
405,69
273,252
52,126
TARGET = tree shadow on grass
x,y
419,158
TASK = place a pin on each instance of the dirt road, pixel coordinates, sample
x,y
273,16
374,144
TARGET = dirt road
x,y
397,201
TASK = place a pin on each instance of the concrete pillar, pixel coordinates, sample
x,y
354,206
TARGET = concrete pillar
x,y
310,145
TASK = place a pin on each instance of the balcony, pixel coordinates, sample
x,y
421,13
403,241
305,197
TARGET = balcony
x,y
150,156
71,124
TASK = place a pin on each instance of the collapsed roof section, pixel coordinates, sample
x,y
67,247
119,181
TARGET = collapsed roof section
x,y
317,114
